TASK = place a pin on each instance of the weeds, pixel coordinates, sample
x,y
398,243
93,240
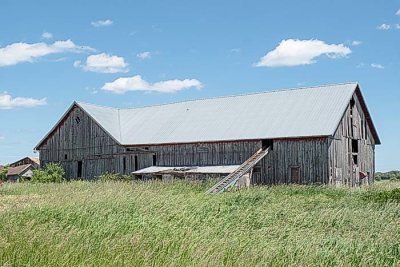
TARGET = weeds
x,y
176,224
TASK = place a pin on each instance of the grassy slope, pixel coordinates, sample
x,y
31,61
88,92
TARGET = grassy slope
x,y
175,224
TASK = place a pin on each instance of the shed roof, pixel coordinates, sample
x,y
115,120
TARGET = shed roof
x,y
290,113
18,170
226,169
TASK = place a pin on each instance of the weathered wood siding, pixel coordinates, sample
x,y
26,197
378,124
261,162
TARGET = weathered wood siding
x,y
309,155
342,168
79,138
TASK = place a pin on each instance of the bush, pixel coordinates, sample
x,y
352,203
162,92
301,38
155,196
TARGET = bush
x,y
3,174
392,175
106,177
52,173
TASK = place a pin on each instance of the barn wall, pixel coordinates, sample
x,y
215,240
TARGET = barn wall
x,y
79,138
223,153
342,168
309,155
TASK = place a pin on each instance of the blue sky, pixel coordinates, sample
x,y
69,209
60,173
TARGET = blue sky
x,y
136,53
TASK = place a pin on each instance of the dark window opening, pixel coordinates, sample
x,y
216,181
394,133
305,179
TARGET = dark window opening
x,y
65,156
352,103
267,143
79,174
295,174
354,145
78,120
154,160
124,164
365,130
355,159
136,163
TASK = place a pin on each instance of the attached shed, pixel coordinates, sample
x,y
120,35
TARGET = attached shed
x,y
321,134
182,172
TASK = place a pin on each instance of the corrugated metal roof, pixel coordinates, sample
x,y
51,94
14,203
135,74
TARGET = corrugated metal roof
x,y
197,169
302,112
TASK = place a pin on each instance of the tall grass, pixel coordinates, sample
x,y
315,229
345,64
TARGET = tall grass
x,y
176,224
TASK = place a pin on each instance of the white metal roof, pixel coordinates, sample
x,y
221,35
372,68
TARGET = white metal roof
x,y
195,169
313,111
290,113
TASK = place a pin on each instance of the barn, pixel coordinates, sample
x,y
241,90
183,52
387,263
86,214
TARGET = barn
x,y
322,134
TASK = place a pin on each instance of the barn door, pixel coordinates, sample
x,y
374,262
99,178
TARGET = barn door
x,y
79,170
295,175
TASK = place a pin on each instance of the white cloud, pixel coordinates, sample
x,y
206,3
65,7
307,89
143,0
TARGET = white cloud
x,y
102,23
22,52
8,102
355,43
136,83
144,55
398,12
377,66
397,26
103,63
235,50
47,35
294,52
383,27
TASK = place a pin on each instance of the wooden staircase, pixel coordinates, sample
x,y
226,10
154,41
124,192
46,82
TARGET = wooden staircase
x,y
232,178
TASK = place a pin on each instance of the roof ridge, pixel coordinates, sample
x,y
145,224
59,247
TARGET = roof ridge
x,y
226,96
96,105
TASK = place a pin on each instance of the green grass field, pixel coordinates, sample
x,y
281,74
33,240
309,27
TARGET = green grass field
x,y
175,224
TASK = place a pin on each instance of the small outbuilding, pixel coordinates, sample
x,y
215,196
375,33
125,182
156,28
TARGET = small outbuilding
x,y
22,169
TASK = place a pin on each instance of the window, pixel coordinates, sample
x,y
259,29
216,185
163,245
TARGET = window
x,y
65,156
154,160
79,172
267,143
295,174
365,130
352,103
354,145
77,120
